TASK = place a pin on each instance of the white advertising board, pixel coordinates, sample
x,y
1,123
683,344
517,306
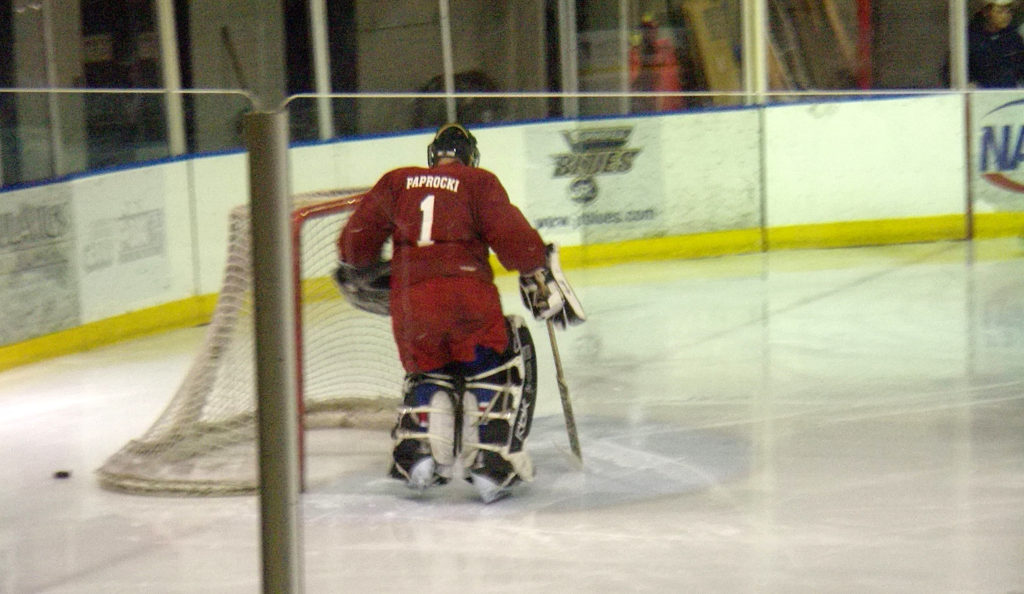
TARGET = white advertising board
x,y
997,151
121,224
594,182
38,285
633,178
864,160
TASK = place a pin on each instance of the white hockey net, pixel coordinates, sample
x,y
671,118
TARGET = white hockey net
x,y
204,443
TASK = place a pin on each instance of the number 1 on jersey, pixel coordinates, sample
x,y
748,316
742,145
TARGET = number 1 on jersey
x,y
427,208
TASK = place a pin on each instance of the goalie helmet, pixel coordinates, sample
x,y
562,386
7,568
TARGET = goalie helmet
x,y
454,141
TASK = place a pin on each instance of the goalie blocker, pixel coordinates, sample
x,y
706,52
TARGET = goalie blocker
x,y
547,294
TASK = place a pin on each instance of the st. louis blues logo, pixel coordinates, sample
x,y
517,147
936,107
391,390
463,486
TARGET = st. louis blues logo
x,y
595,151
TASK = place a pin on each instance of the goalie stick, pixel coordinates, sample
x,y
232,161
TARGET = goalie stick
x,y
563,392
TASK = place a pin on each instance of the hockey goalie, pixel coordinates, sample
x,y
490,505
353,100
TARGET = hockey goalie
x,y
470,384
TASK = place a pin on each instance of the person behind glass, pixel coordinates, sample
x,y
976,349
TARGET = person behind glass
x,y
995,48
653,67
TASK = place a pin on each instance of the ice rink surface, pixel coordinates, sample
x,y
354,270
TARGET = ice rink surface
x,y
846,420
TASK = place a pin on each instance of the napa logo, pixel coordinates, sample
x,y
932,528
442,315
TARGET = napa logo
x,y
1001,149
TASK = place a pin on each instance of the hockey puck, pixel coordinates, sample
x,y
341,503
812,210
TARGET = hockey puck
x,y
62,474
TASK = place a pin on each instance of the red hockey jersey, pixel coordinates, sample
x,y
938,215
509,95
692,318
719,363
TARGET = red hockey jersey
x,y
443,220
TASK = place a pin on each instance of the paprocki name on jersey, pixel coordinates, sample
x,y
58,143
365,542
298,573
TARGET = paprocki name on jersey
x,y
440,182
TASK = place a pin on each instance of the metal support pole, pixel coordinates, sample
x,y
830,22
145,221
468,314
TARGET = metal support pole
x,y
959,79
958,75
624,49
449,63
568,44
755,51
58,160
171,73
321,68
276,365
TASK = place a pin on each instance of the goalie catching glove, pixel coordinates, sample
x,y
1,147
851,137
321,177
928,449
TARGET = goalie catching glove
x,y
368,288
547,294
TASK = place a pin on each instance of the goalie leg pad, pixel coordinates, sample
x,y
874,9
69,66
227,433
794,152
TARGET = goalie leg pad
x,y
426,430
498,411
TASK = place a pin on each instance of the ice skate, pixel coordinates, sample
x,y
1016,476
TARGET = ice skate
x,y
489,489
421,475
